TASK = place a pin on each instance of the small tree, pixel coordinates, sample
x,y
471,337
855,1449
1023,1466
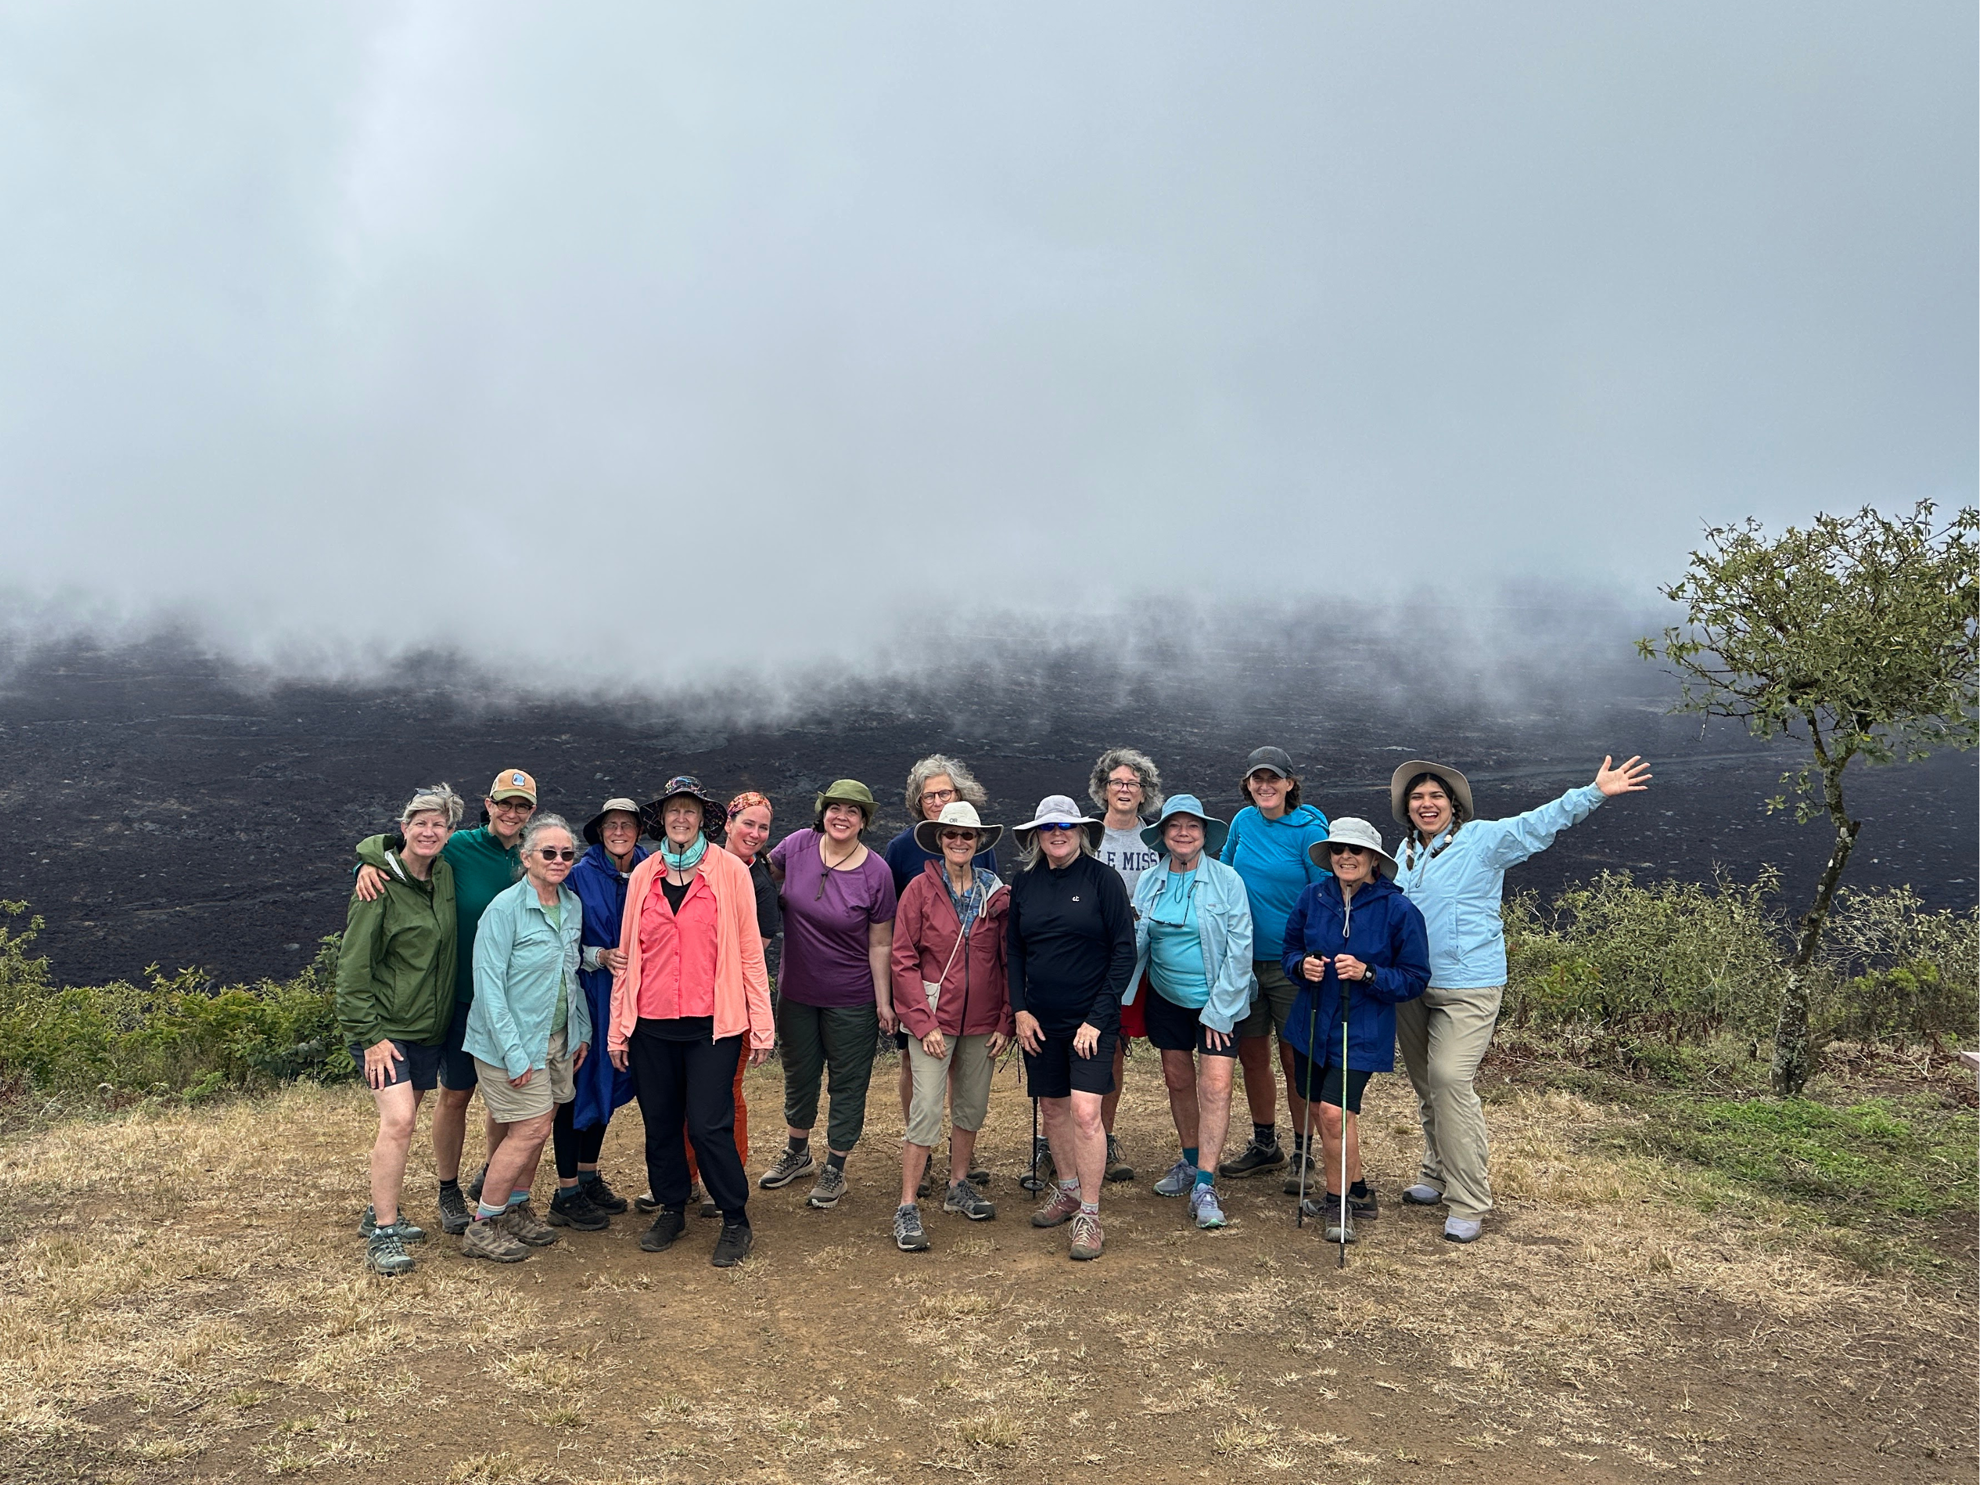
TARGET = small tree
x,y
1857,635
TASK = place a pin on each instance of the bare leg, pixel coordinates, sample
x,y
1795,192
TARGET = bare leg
x,y
398,1111
1111,1104
450,1131
914,1161
1328,1117
512,1166
1179,1073
1354,1148
1295,1105
1213,1108
962,1151
1261,1089
1089,1146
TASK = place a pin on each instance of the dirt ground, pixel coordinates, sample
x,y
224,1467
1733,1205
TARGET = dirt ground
x,y
182,1299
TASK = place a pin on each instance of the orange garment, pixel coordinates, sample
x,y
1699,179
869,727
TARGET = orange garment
x,y
742,1126
677,953
742,989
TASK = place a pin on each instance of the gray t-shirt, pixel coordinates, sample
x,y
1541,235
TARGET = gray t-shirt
x,y
1125,852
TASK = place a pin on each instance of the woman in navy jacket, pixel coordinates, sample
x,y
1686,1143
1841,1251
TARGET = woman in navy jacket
x,y
1355,946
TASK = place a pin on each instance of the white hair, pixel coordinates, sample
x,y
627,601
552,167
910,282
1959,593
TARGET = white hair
x,y
438,798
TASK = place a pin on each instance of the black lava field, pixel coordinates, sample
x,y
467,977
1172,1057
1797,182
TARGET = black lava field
x,y
164,809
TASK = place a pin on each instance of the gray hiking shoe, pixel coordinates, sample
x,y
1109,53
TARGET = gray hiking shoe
x,y
489,1239
927,1187
408,1233
1181,1176
1204,1206
1299,1172
1338,1231
1256,1158
1118,1168
454,1213
909,1235
520,1223
826,1191
385,1252
1087,1241
790,1165
1462,1229
963,1197
1422,1195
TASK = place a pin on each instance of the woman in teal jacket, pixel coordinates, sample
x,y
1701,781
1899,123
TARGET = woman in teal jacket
x,y
1454,870
1192,936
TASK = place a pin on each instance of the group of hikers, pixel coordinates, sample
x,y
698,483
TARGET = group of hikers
x,y
565,972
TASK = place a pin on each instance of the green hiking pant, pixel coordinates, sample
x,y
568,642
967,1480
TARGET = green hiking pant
x,y
815,1039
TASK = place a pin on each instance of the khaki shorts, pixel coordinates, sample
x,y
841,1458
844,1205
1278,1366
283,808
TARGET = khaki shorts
x,y
547,1087
969,1103
1272,1004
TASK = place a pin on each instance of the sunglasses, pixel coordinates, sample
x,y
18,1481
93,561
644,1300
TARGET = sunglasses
x,y
962,835
551,853
1335,850
1056,826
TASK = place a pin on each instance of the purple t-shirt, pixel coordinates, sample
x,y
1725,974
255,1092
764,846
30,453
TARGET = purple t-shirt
x,y
826,917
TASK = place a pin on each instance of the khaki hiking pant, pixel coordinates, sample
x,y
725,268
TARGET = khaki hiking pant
x,y
1443,1035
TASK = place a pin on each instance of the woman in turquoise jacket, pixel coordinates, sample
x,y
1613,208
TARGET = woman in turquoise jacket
x,y
1192,936
1454,869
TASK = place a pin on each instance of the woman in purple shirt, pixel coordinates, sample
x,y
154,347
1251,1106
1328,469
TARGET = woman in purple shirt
x,y
836,993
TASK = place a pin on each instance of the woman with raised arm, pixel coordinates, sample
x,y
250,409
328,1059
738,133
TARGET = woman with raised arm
x,y
1454,869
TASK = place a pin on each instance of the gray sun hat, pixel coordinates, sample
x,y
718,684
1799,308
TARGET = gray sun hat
x,y
1214,830
594,828
1348,831
957,814
1455,784
1059,809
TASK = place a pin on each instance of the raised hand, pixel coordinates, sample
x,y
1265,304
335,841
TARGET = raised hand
x,y
1632,777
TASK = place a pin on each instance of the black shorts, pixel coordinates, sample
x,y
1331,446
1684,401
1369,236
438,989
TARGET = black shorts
x,y
1326,1082
412,1062
1176,1028
456,1066
1058,1071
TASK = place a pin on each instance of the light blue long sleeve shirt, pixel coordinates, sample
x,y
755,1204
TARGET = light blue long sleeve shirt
x,y
523,965
1458,888
1223,926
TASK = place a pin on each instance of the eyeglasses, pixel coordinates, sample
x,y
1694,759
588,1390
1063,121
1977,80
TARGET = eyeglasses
x,y
1124,783
938,796
551,853
511,805
1334,849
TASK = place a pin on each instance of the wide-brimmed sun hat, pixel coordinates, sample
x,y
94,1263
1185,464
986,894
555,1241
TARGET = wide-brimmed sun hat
x,y
1059,809
1455,784
594,828
714,815
1348,831
958,814
846,791
1214,830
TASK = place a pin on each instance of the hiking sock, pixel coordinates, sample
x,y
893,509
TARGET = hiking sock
x,y
453,1185
483,1212
836,1161
1069,1184
1359,1189
587,1178
1190,1152
1090,1208
1264,1134
1206,1178
517,1197
795,1146
1299,1143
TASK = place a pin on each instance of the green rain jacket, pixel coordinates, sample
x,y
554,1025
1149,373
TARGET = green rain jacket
x,y
483,870
396,969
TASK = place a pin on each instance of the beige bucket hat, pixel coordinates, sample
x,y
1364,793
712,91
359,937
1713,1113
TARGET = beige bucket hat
x,y
1455,784
958,814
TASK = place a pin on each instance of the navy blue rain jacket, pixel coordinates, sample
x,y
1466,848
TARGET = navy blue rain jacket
x,y
601,888
1384,930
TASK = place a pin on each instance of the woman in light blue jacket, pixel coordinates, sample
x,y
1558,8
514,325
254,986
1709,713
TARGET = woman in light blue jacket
x,y
1192,937
1454,869
528,1032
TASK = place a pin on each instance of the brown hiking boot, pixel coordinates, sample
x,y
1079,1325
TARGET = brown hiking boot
x,y
1058,1207
1086,1239
491,1240
521,1224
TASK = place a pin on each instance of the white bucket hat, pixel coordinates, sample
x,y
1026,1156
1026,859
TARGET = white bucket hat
x,y
1348,831
958,814
1059,809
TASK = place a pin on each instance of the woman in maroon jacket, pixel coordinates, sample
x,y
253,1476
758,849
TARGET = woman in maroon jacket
x,y
952,995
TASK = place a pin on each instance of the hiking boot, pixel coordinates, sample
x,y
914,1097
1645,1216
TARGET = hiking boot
x,y
1086,1239
602,1196
1299,1170
1118,1168
571,1207
826,1191
368,1224
733,1246
1462,1229
489,1239
979,1178
927,1187
790,1165
1181,1176
521,1224
1364,1208
708,1209
646,1201
670,1224
454,1213
1041,1174
1204,1206
909,1235
1256,1157
1330,1213
1421,1195
1061,1205
964,1198
474,1186
385,1251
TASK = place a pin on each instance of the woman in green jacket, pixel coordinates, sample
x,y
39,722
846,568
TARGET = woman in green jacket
x,y
395,997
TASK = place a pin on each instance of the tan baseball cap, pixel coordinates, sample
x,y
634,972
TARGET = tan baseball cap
x,y
513,783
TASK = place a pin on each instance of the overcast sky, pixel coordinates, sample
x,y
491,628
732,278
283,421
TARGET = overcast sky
x,y
652,341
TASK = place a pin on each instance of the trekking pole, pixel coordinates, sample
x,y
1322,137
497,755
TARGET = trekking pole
x,y
1030,1182
1344,1119
1306,1119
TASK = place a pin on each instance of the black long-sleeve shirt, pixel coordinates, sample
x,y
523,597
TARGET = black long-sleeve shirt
x,y
1071,944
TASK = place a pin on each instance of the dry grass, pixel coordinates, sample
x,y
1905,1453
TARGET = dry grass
x,y
181,1298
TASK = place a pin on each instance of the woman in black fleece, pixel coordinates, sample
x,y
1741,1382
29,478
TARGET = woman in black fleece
x,y
1071,952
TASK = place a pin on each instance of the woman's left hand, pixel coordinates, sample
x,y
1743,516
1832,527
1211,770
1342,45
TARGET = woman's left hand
x,y
1213,1038
1632,777
933,1044
889,1022
1349,968
1086,1040
577,1057
758,1056
994,1048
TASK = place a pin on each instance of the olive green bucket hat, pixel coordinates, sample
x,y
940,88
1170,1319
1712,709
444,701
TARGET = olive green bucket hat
x,y
845,791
